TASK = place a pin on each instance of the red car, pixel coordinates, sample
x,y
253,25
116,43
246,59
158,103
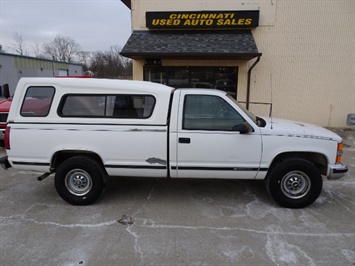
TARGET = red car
x,y
4,111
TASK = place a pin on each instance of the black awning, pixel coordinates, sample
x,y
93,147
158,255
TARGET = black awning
x,y
191,45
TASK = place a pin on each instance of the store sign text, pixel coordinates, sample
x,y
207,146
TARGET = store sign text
x,y
203,19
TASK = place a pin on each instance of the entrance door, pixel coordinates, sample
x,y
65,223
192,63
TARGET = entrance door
x,y
221,78
63,72
209,144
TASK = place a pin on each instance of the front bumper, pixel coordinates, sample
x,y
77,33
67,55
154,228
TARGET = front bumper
x,y
4,162
337,171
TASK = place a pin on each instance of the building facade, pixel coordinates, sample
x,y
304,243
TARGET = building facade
x,y
13,67
296,55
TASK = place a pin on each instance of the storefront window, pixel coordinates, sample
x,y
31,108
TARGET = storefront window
x,y
221,78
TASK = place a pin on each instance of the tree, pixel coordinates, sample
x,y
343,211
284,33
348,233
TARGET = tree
x,y
1,50
110,64
107,64
36,48
62,48
19,45
84,58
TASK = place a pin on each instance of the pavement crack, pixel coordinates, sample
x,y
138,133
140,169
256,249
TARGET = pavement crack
x,y
147,223
20,218
130,220
279,250
137,250
152,190
147,198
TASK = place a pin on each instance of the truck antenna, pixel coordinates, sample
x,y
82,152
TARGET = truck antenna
x,y
271,101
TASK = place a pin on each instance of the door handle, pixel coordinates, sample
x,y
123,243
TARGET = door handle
x,y
185,140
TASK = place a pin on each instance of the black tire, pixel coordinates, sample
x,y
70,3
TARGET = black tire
x,y
294,183
80,180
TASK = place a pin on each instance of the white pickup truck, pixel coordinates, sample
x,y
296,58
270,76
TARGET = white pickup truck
x,y
86,129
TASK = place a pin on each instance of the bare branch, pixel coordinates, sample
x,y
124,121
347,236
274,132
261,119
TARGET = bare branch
x,y
62,49
110,64
19,44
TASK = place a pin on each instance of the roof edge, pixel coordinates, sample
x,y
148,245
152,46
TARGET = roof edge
x,y
197,56
127,3
42,59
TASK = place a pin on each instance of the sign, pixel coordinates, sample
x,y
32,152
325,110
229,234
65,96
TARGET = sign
x,y
152,62
203,19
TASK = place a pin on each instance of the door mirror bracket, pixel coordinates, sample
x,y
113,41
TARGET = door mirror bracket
x,y
243,128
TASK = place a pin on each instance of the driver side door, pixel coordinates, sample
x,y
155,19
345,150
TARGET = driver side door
x,y
208,143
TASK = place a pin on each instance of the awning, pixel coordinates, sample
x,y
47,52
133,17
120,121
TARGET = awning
x,y
239,45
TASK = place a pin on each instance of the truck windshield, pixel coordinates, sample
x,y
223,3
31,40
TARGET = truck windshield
x,y
247,112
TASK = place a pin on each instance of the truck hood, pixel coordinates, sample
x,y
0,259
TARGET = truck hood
x,y
283,127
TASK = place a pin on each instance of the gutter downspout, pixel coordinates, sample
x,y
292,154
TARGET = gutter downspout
x,y
249,76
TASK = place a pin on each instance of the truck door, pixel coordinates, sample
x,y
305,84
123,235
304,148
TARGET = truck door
x,y
207,141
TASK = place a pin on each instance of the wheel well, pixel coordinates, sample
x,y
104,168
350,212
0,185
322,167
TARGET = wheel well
x,y
60,156
318,159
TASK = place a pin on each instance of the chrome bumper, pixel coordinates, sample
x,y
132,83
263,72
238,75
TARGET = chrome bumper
x,y
337,171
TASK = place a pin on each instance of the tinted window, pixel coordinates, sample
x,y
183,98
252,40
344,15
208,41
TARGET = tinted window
x,y
108,106
37,102
83,105
206,112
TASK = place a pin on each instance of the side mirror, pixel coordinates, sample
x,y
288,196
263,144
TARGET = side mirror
x,y
244,128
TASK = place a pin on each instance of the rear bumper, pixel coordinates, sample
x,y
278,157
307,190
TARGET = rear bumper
x,y
337,171
4,162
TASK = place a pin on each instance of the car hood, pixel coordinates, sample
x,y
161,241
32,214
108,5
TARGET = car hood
x,y
283,127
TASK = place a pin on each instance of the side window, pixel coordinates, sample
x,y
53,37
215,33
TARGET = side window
x,y
83,106
107,106
133,106
208,112
37,102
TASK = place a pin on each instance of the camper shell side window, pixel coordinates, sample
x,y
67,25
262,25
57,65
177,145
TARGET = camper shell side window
x,y
37,101
107,106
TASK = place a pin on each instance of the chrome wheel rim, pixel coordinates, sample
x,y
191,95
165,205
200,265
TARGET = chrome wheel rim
x,y
295,184
78,182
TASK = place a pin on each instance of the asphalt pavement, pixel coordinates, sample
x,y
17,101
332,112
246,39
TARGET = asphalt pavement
x,y
176,222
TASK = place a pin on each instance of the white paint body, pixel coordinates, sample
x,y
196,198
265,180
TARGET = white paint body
x,y
150,147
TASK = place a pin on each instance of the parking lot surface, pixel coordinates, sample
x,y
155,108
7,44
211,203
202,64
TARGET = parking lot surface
x,y
176,222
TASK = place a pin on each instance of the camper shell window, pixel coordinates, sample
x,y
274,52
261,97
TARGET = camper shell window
x,y
107,106
37,101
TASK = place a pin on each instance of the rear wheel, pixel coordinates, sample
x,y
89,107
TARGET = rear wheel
x,y
80,180
294,183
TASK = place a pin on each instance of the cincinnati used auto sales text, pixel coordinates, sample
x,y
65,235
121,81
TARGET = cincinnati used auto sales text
x,y
212,19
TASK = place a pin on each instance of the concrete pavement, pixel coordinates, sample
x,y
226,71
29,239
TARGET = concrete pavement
x,y
176,222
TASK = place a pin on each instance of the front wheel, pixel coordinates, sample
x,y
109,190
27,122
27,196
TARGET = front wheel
x,y
80,180
294,183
